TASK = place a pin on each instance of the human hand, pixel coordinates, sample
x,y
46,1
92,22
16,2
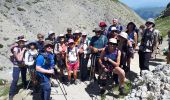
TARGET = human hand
x,y
95,50
105,59
51,71
106,70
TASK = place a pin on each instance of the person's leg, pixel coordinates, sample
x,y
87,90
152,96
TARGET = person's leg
x,y
15,76
46,88
23,75
81,56
92,70
85,70
75,68
128,63
147,56
141,60
121,74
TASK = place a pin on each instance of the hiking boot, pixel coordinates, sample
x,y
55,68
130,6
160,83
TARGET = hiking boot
x,y
76,82
68,83
121,91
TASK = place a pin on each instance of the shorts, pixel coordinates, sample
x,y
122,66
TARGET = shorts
x,y
73,66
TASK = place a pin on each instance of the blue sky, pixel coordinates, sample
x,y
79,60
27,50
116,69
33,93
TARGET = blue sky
x,y
145,3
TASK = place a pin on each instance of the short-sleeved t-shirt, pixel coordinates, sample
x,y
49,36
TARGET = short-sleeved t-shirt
x,y
40,61
99,42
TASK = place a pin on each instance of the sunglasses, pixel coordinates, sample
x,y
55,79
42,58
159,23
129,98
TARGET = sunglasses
x,y
112,44
71,43
49,46
149,23
41,37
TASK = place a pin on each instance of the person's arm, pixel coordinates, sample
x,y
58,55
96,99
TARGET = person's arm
x,y
19,56
135,39
117,63
39,63
66,59
102,57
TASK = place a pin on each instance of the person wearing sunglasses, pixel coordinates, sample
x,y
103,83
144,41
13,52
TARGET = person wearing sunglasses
x,y
147,44
110,61
44,69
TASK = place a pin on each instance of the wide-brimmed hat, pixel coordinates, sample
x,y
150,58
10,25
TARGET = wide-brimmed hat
x,y
77,32
70,41
84,34
50,33
151,20
32,43
48,43
21,38
124,35
112,40
61,35
98,29
102,24
114,29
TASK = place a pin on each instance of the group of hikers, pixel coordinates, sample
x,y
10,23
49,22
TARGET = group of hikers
x,y
109,50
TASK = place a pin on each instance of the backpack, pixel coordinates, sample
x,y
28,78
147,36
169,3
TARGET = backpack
x,y
150,39
13,59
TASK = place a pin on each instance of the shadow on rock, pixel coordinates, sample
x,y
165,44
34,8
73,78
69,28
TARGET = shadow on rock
x,y
131,75
93,90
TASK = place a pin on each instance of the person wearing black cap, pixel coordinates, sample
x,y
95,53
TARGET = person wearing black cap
x,y
69,34
147,43
98,42
44,69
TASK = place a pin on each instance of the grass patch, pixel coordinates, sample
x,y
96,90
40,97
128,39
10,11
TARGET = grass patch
x,y
4,90
162,24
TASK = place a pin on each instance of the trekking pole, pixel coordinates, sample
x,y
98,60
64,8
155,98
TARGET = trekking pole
x,y
61,89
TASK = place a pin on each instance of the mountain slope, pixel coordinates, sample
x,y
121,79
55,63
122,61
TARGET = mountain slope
x,y
30,17
163,22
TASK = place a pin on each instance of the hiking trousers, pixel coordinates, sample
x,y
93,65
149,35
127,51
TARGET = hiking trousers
x,y
15,76
45,90
144,58
83,66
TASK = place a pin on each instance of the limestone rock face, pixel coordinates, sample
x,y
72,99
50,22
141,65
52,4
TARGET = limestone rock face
x,y
152,85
